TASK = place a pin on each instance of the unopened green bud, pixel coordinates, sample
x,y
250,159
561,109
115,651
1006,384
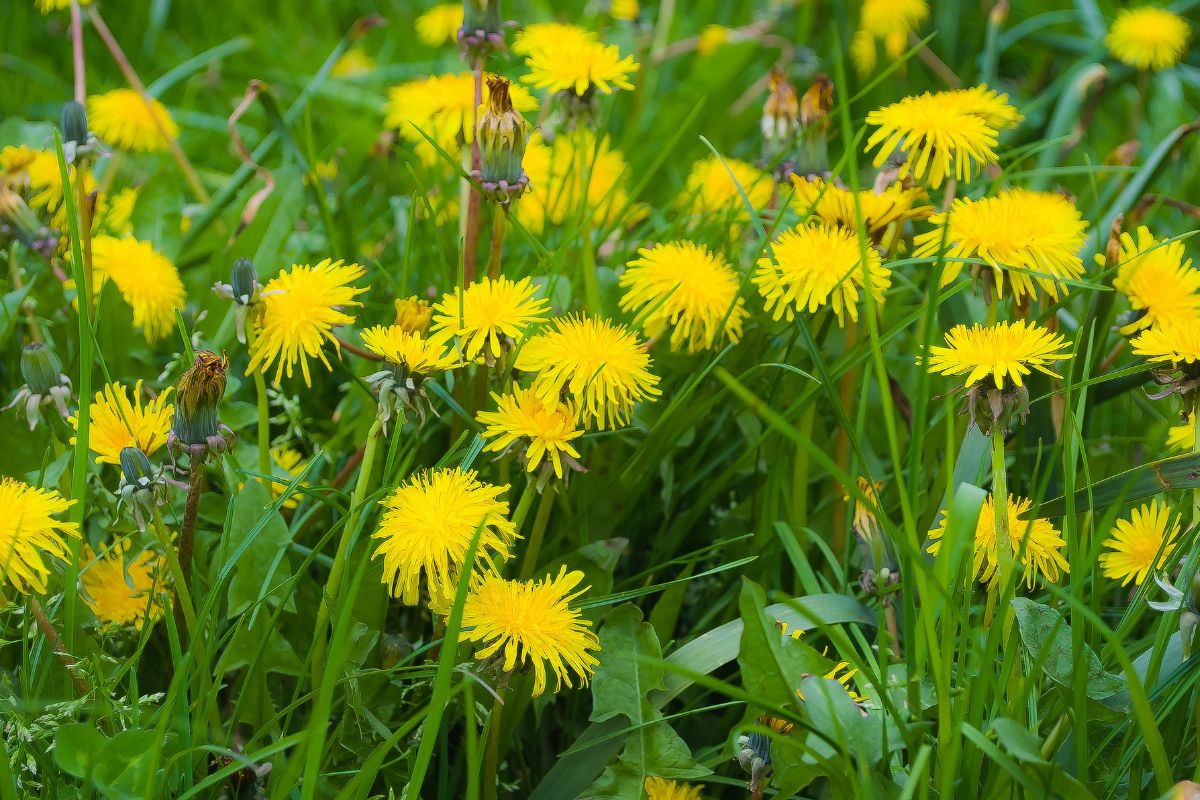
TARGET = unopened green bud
x,y
197,397
243,281
481,25
135,467
41,368
502,139
74,123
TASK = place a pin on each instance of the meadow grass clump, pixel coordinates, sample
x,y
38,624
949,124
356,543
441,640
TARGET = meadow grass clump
x,y
752,399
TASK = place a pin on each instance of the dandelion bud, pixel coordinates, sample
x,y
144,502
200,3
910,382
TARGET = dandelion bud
x,y
481,26
196,427
413,315
243,289
502,136
140,487
135,467
815,107
44,383
781,114
74,123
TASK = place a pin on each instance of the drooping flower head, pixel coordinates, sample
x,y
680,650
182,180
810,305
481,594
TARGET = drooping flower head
x,y
937,136
300,307
816,265
489,316
427,528
1027,240
1004,352
1148,38
28,533
1158,280
834,205
122,593
541,35
439,25
532,624
1036,543
541,429
579,68
124,119
688,289
600,366
663,789
1140,545
118,422
710,189
443,106
887,21
148,282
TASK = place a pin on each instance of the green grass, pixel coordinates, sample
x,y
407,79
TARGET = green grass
x,y
716,514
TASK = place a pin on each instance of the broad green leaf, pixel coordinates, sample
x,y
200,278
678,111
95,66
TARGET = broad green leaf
x,y
277,654
772,665
264,566
1020,742
76,748
10,310
123,766
1047,640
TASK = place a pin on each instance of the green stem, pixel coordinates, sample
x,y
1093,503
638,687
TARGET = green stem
x,y
191,508
491,758
524,504
533,550
264,416
591,285
499,218
338,570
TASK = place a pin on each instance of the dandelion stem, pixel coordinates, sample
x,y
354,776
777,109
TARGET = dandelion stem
x,y
184,596
55,641
77,53
264,417
475,200
333,587
498,220
491,756
523,505
187,529
533,550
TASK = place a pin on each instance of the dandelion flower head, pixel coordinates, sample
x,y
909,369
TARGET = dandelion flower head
x,y
1148,38
1158,280
417,354
489,315
544,427
124,119
1140,545
147,280
579,68
711,189
439,25
117,422
29,533
541,35
663,789
124,593
1005,351
1176,343
834,205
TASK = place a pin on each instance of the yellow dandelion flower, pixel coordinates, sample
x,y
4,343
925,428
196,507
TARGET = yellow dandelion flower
x,y
983,102
121,593
115,213
428,526
1038,545
711,38
443,106
687,288
579,68
439,25
1140,545
1028,239
532,623
147,280
123,119
1003,351
1175,342
489,315
663,789
300,306
834,205
44,181
413,314
50,6
408,349
1157,279
710,189
889,21
543,428
624,10
600,365
541,35
118,422
355,62
28,532
938,138
1183,437
816,265
575,175
1148,38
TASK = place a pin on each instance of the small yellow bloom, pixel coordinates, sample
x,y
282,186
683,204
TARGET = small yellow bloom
x,y
28,532
1148,38
834,205
123,119
579,68
815,265
428,526
408,349
48,6
543,428
121,593
601,366
663,789
1176,343
687,288
300,306
573,176
1005,351
413,314
541,35
117,422
439,25
625,10
1158,280
889,21
1036,543
1027,239
532,623
355,62
1143,544
147,280
489,316
712,37
711,189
